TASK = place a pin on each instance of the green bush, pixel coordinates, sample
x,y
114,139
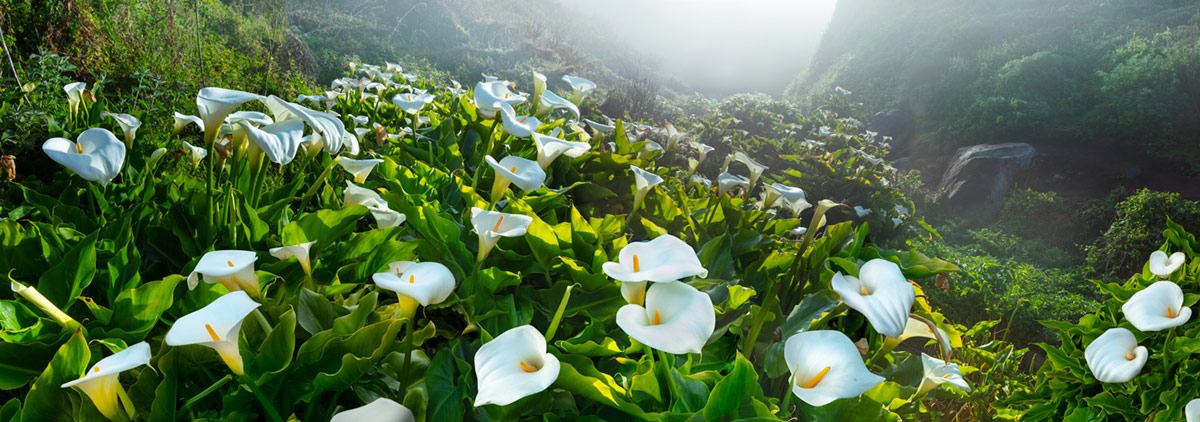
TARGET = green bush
x,y
1134,231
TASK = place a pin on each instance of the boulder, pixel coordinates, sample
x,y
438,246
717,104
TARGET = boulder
x,y
897,124
978,177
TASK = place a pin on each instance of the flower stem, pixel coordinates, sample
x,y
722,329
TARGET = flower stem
x,y
760,317
671,386
558,314
221,382
272,414
408,351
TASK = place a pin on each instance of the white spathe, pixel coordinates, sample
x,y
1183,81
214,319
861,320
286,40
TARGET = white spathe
x,y
917,328
665,258
860,211
215,104
280,141
880,292
358,195
380,410
643,182
129,125
1163,266
580,87
704,150
514,365
1192,411
100,382
360,169
182,120
549,148
518,126
676,318
492,225
551,101
196,153
599,127
1157,307
96,155
539,84
490,95
1115,356
253,117
826,366
217,325
429,283
938,372
412,103
524,173
233,269
328,129
298,251
756,168
74,92
726,182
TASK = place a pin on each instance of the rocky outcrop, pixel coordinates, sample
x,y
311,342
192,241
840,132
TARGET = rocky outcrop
x,y
978,178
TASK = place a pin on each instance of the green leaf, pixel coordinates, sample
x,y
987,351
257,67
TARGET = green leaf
x,y
275,354
136,311
446,400
323,226
729,393
63,282
47,401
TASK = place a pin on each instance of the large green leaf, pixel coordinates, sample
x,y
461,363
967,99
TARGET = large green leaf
x,y
47,400
729,393
63,282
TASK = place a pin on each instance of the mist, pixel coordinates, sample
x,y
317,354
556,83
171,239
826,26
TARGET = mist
x,y
718,47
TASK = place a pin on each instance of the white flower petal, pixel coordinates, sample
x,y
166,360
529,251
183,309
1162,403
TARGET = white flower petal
x,y
524,173
665,258
97,156
1162,266
380,410
500,367
888,299
427,282
677,318
299,251
1157,307
831,360
1115,356
938,372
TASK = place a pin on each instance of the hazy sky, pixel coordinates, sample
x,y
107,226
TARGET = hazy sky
x,y
720,46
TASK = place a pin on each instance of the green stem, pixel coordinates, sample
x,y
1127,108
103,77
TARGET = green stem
x,y
221,382
787,401
319,182
760,317
272,414
671,385
408,351
262,321
829,316
558,314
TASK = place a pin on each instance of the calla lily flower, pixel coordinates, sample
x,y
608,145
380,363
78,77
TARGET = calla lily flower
x,y
386,217
1192,411
697,179
299,251
359,168
279,141
938,372
328,130
880,292
424,283
579,87
129,125
799,231
488,78
315,99
358,195
756,168
182,120
665,258
218,326
492,225
155,156
1162,266
551,101
826,366
216,104
392,67
524,173
862,212
648,148
704,150
518,126
74,96
644,181
253,117
489,96
726,182
599,127
539,84
96,156
380,410
233,269
514,365
549,148
100,382
1157,307
195,152
676,318
1115,356
412,104
916,328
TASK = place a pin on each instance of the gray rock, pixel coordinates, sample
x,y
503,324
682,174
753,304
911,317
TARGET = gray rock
x,y
897,124
978,177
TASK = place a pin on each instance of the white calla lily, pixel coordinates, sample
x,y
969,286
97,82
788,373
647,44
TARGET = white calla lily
x,y
100,382
860,211
665,258
358,195
1115,356
74,92
1163,266
411,103
580,87
599,127
550,101
524,173
233,269
539,84
492,225
704,150
298,251
360,169
938,372
96,155
280,141
917,328
215,104
129,125
328,129
549,148
756,168
490,95
253,117
514,365
196,153
1192,411
643,182
182,120
826,366
1157,307
379,410
676,318
726,182
880,292
518,126
217,325
424,283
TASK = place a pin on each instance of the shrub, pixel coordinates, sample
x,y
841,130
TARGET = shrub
x,y
1135,230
